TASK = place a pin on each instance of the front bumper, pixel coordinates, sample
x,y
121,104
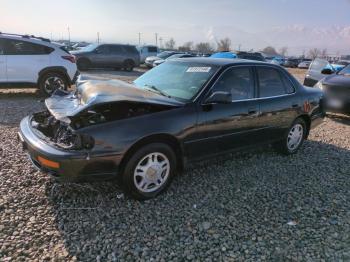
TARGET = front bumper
x,y
149,63
73,165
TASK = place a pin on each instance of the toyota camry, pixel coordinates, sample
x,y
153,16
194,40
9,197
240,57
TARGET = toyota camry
x,y
181,111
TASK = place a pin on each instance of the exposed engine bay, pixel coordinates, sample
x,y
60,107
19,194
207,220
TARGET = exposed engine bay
x,y
70,136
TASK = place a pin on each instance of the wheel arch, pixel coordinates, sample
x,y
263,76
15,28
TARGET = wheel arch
x,y
54,69
307,120
167,139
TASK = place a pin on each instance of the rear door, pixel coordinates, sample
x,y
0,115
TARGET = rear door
x,y
279,103
3,77
25,60
118,55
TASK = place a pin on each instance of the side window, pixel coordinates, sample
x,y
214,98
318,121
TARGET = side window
x,y
270,82
103,49
17,47
116,49
238,81
288,86
130,49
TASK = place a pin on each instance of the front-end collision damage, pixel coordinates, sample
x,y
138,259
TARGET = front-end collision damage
x,y
68,113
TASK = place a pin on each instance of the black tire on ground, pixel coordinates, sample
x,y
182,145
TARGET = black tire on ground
x,y
282,146
83,64
51,81
128,65
128,176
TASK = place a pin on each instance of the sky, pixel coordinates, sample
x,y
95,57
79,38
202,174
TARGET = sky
x,y
250,24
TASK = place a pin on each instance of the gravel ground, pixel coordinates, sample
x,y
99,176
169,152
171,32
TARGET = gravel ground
x,y
252,206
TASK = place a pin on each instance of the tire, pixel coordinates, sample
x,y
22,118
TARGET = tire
x,y
293,139
51,81
129,65
144,183
83,64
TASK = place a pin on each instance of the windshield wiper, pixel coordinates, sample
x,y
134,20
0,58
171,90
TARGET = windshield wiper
x,y
154,88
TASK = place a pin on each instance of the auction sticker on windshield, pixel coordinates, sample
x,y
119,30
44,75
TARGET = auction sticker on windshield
x,y
199,69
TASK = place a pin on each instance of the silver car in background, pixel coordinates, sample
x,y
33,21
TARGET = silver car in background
x,y
115,56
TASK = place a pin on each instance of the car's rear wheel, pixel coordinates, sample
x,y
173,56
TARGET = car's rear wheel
x,y
83,64
149,171
294,138
50,82
129,65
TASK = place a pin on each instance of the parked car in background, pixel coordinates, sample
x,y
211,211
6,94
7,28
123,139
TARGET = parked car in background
x,y
147,51
163,55
251,56
36,61
161,61
278,61
115,56
224,55
305,64
180,111
314,74
336,86
291,62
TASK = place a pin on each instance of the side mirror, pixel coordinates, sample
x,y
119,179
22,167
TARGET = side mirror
x,y
219,97
327,71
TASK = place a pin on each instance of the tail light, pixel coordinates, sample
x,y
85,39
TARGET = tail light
x,y
70,58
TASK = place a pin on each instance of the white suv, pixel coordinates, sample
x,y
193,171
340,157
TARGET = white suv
x,y
35,60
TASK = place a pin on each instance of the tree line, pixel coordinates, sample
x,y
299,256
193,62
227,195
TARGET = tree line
x,y
225,44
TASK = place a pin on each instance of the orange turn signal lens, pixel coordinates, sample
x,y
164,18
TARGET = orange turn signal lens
x,y
48,163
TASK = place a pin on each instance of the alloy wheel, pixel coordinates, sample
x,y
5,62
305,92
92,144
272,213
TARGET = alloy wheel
x,y
151,172
295,137
53,83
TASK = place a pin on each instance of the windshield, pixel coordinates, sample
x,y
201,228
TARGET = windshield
x,y
345,71
164,55
180,80
88,48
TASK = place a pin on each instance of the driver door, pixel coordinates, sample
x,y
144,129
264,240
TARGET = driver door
x,y
223,127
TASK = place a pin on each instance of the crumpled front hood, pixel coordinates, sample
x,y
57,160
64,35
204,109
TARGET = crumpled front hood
x,y
63,105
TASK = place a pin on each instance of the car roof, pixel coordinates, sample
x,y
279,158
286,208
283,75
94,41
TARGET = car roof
x,y
30,39
222,62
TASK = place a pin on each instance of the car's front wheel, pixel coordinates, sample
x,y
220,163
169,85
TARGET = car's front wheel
x,y
294,138
149,171
52,81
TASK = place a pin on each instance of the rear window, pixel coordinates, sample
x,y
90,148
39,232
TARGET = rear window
x,y
18,47
318,65
64,49
152,49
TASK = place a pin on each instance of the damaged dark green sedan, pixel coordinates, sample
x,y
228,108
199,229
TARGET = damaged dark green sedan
x,y
180,111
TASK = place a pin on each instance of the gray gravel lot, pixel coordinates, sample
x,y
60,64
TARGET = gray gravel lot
x,y
252,206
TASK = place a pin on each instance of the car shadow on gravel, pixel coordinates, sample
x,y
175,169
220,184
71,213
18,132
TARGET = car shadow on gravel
x,y
236,206
342,119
